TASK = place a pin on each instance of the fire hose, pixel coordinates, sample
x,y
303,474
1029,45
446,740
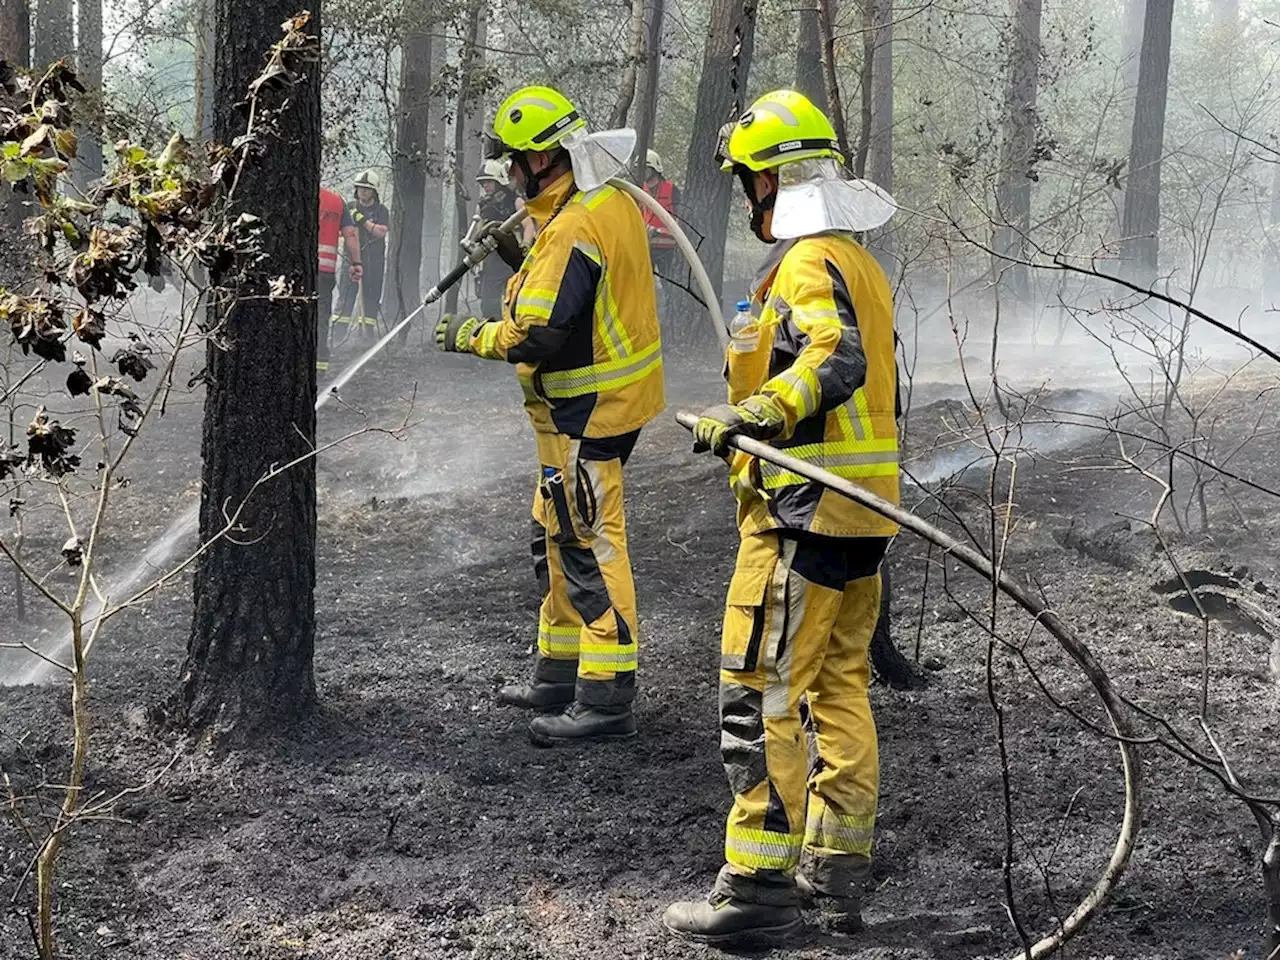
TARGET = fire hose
x,y
1044,615
488,245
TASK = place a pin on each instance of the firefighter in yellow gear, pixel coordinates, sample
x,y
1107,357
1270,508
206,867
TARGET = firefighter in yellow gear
x,y
815,376
580,323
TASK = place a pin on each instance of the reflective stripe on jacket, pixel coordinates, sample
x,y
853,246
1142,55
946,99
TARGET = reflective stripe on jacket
x,y
580,318
824,354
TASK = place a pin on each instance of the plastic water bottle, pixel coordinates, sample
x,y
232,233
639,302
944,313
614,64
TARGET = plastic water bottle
x,y
742,337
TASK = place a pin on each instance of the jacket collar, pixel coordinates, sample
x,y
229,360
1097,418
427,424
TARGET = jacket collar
x,y
550,199
764,277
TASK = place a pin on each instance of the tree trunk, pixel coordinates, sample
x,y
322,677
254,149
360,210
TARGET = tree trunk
x,y
249,657
648,110
1140,229
880,151
721,88
55,32
1131,44
810,79
880,159
204,46
88,165
1018,146
433,207
827,31
630,72
466,126
409,165
1271,281
15,48
15,32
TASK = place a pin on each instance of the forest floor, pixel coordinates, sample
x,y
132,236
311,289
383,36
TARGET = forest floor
x,y
410,816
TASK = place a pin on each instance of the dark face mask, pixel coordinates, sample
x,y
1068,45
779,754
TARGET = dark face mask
x,y
759,208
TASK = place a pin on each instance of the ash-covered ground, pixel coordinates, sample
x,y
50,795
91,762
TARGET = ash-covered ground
x,y
410,817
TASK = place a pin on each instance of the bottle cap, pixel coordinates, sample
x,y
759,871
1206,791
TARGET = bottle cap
x,y
744,306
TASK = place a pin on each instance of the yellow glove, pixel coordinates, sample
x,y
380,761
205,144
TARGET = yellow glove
x,y
756,417
453,334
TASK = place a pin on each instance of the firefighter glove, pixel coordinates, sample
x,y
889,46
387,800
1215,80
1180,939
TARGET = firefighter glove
x,y
453,334
508,245
756,417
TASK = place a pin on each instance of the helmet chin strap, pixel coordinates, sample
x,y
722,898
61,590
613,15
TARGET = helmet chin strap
x,y
759,208
533,182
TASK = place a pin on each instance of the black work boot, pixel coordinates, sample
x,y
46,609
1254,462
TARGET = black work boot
x,y
725,917
834,885
582,723
541,695
838,914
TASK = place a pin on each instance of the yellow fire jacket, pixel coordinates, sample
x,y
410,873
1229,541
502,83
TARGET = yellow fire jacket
x,y
580,319
822,349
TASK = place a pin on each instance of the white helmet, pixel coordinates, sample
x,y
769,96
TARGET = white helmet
x,y
653,160
495,170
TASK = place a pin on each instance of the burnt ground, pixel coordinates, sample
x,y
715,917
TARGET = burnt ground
x,y
410,817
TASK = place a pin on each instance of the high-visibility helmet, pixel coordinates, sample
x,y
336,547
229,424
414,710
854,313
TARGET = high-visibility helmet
x,y
495,170
367,179
779,128
532,118
652,159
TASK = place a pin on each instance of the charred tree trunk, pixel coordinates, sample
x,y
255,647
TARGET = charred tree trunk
x,y
15,32
409,166
648,110
433,205
249,658
631,70
466,152
15,49
1018,146
55,32
88,166
721,88
1140,229
810,79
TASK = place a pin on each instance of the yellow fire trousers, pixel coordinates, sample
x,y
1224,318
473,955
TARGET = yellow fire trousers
x,y
798,623
587,630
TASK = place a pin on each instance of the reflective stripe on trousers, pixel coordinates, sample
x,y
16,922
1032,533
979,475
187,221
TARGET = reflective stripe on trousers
x,y
588,612
786,637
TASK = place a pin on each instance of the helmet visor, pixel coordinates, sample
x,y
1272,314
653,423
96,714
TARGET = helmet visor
x,y
494,149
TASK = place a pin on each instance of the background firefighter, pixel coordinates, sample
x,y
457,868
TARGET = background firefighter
x,y
662,245
815,374
373,222
335,224
497,202
580,323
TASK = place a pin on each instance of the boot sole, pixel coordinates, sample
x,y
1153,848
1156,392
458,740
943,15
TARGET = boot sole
x,y
541,708
754,935
542,740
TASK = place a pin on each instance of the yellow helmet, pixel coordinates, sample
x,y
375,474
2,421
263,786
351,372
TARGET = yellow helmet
x,y
780,127
532,118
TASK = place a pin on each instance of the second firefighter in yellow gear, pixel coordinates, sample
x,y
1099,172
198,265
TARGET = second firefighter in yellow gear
x,y
580,324
815,376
